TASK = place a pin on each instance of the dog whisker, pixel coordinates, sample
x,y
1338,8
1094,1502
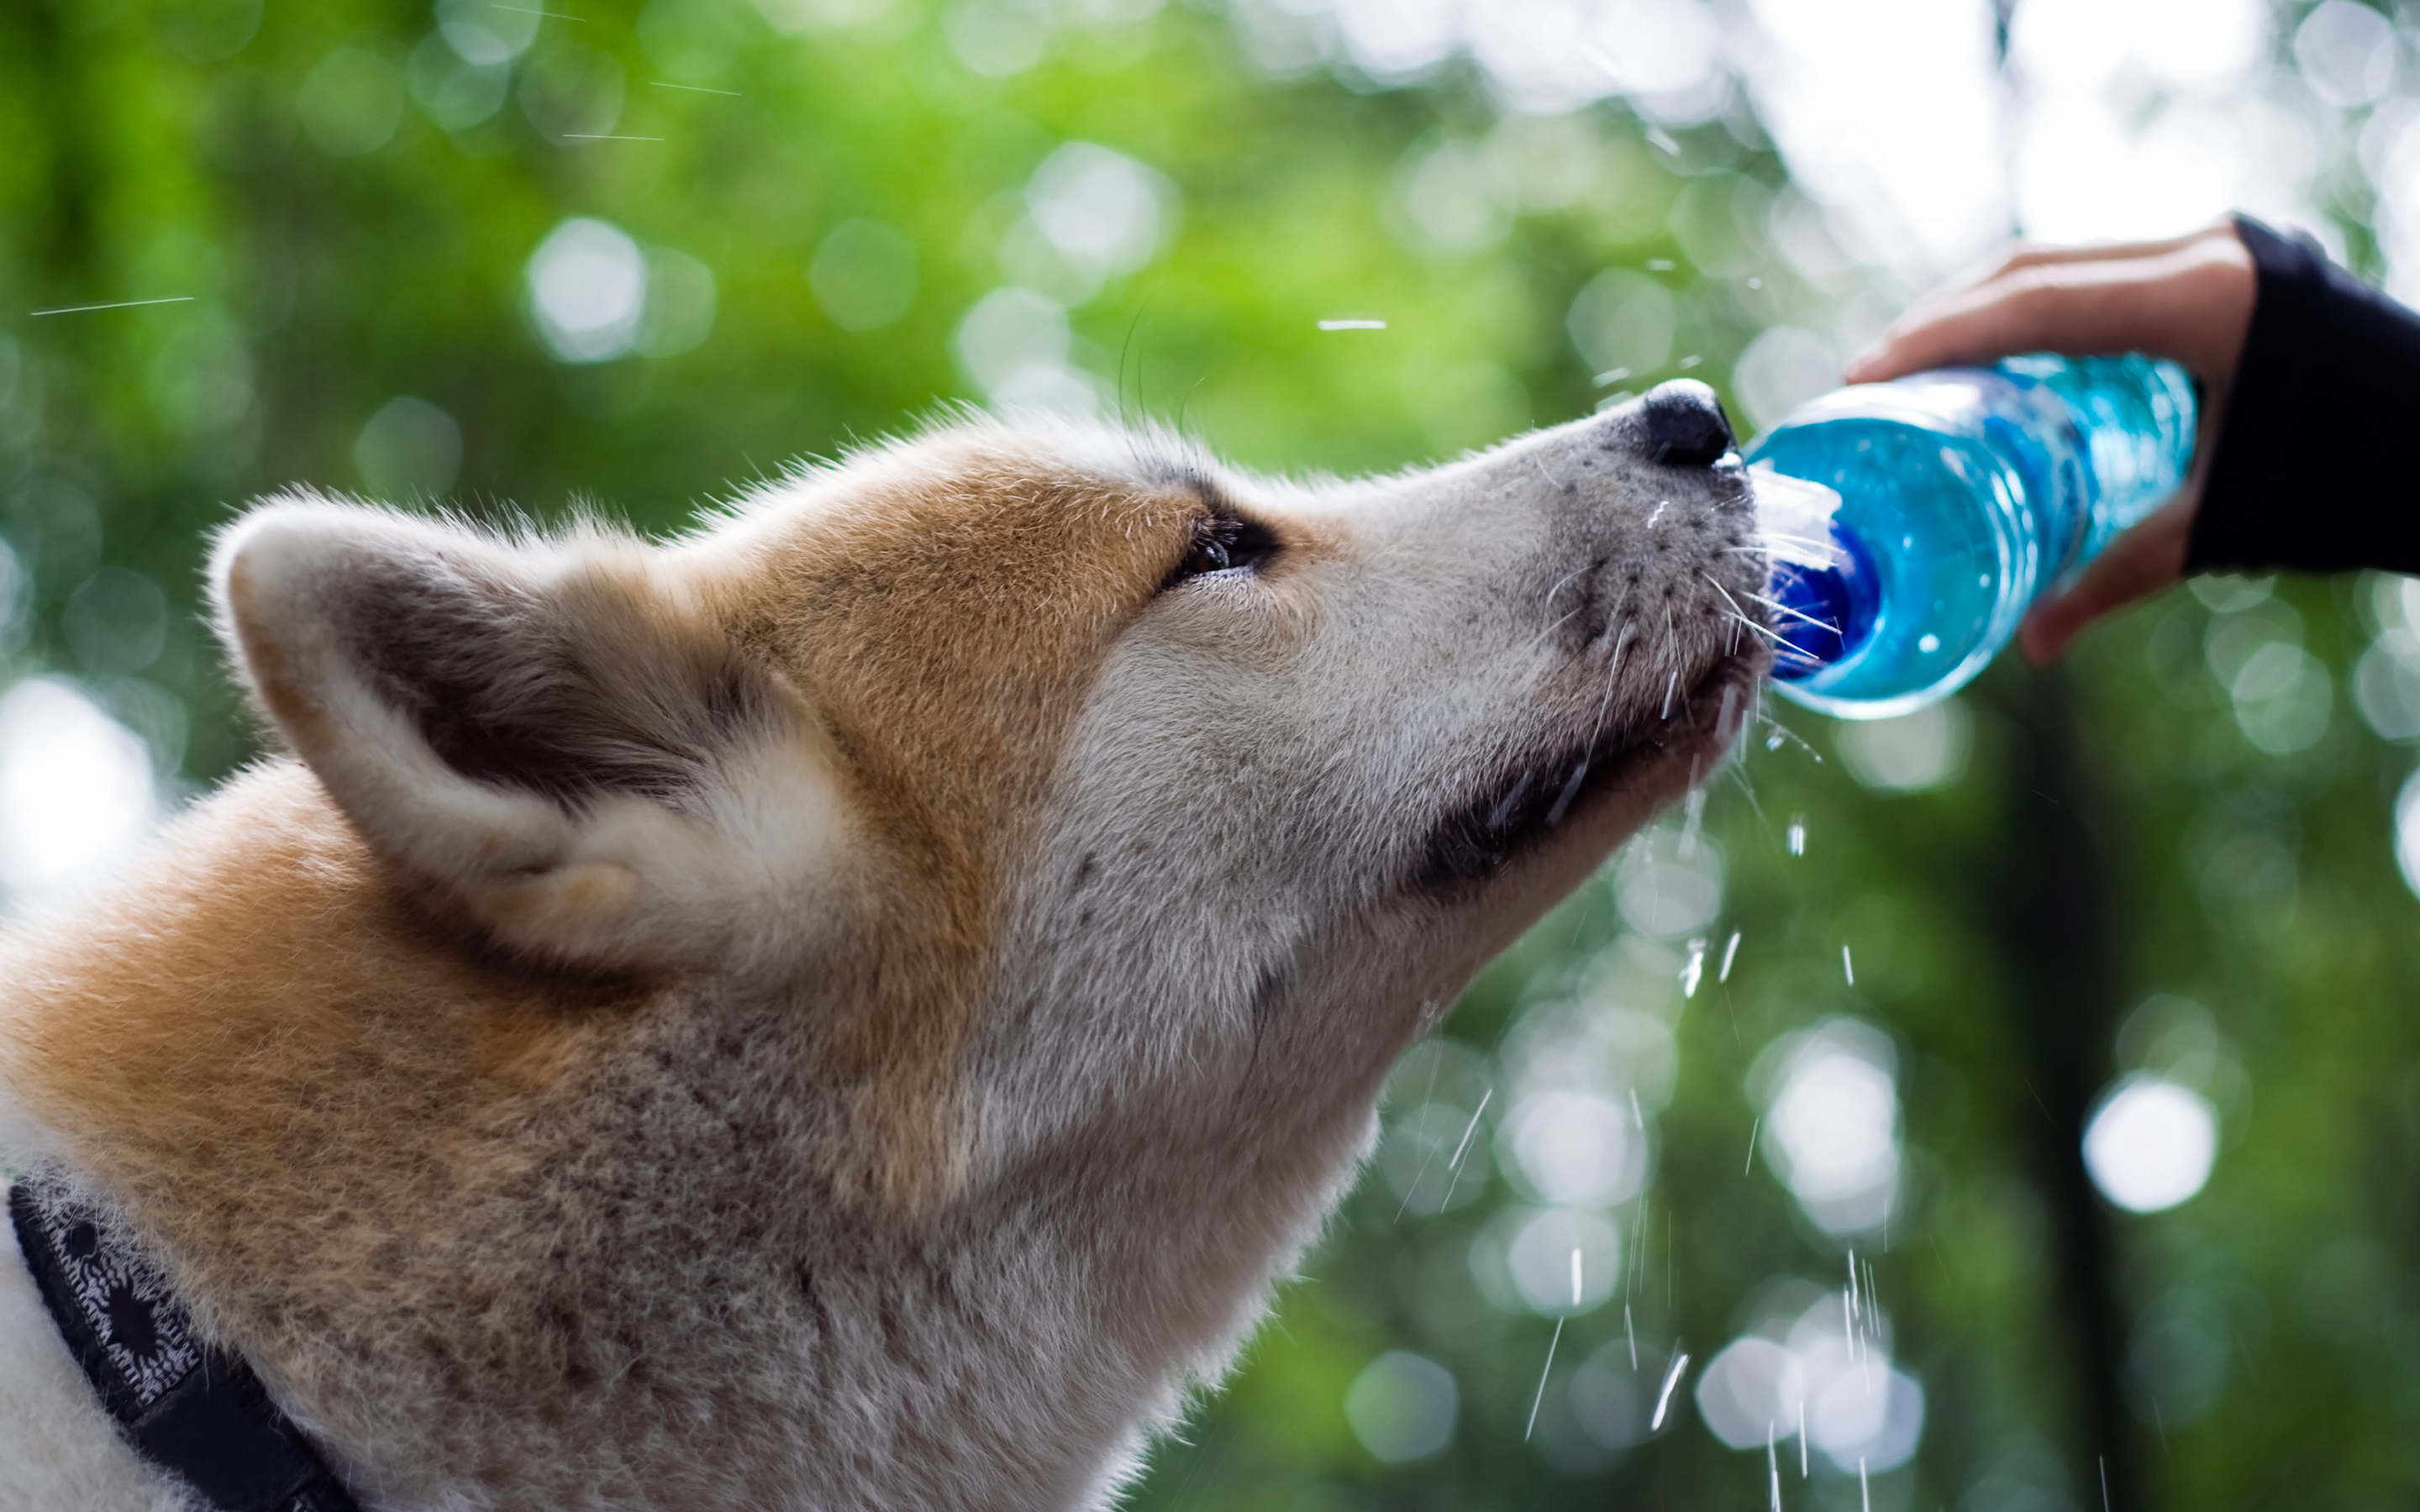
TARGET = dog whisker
x,y
1766,631
1795,614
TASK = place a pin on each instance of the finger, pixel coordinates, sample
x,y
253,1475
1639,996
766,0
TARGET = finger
x,y
1965,287
2035,254
2079,308
2191,304
1989,321
2137,564
2022,254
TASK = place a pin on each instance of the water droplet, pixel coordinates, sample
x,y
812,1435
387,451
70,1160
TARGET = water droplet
x,y
1797,836
1929,644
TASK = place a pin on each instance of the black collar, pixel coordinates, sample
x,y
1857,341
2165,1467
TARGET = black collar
x,y
185,1404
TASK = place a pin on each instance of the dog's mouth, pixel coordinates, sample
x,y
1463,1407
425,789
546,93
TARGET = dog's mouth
x,y
1519,812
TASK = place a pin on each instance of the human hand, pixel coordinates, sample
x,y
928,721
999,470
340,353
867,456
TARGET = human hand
x,y
2188,299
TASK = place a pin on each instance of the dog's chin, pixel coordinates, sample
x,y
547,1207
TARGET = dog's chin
x,y
1559,815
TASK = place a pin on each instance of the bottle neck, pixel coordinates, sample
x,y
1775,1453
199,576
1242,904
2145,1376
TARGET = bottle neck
x,y
1825,613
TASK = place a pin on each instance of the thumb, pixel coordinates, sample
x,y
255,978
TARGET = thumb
x,y
2137,564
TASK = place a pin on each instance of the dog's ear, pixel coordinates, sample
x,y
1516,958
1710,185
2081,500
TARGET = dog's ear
x,y
558,740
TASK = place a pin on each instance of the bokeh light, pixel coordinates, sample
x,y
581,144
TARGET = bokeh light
x,y
410,447
1831,1124
1749,1390
1670,883
572,93
454,91
1781,369
2386,678
76,793
1829,1370
114,622
1913,753
12,594
351,104
1451,194
487,36
2346,53
1401,1407
1622,323
1561,1260
2407,833
2150,1144
1577,1148
1605,1396
1434,1158
1103,212
588,290
864,274
1015,344
2386,684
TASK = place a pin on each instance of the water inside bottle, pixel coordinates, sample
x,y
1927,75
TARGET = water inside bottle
x,y
1922,584
2137,417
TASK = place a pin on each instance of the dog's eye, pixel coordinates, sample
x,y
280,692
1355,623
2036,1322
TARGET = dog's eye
x,y
1225,545
1209,555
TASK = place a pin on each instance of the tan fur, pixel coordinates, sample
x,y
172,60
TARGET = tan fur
x,y
906,978
890,610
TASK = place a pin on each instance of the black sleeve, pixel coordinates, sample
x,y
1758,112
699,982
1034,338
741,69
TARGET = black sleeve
x,y
2310,471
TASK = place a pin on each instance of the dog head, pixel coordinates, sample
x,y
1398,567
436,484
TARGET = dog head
x,y
1067,780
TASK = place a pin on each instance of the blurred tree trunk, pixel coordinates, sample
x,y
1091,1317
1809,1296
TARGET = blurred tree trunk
x,y
2054,940
64,231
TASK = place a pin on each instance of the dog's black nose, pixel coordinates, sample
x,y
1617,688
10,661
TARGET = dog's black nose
x,y
1685,424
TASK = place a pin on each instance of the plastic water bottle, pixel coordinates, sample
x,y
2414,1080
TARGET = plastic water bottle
x,y
1962,495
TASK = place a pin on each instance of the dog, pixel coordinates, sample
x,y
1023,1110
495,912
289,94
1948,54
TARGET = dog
x,y
856,1005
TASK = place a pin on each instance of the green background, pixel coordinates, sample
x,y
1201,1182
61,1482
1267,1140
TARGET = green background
x,y
2103,834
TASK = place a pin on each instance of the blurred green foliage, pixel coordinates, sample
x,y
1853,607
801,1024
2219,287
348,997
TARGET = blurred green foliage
x,y
347,204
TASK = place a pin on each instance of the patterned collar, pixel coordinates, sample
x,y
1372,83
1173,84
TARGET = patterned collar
x,y
182,1402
